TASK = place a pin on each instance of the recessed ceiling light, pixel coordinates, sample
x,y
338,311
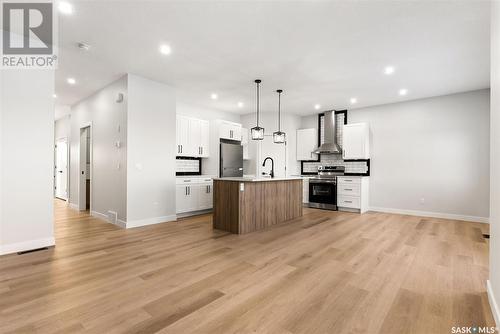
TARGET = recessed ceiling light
x,y
354,100
389,70
403,91
54,96
317,106
214,96
165,49
240,104
65,7
71,81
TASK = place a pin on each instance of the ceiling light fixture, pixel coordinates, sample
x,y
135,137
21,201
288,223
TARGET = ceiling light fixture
x,y
354,100
257,132
71,81
279,136
214,96
165,49
65,8
54,96
317,106
403,91
388,70
240,104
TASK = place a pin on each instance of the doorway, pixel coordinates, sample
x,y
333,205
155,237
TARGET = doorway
x,y
85,171
61,169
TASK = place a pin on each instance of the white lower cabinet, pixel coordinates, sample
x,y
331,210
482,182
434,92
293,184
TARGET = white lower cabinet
x,y
353,193
193,194
305,190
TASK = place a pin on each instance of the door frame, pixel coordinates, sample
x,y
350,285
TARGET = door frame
x,y
67,168
82,201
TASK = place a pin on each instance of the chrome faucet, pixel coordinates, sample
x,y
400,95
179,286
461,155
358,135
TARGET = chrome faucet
x,y
272,165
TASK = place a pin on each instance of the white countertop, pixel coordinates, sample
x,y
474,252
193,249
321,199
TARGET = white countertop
x,y
257,179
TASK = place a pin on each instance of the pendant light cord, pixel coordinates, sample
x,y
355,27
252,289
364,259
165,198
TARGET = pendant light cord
x,y
258,101
279,111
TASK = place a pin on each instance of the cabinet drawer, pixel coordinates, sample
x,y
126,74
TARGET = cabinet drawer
x,y
185,180
348,180
349,189
349,202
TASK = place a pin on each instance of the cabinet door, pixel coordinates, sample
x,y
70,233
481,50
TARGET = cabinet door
x,y
181,204
205,196
307,141
355,141
236,132
204,139
183,132
194,137
244,136
192,197
224,130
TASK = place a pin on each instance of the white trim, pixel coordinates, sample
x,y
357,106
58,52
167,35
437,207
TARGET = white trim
x,y
432,214
493,302
151,221
73,206
27,245
91,128
119,223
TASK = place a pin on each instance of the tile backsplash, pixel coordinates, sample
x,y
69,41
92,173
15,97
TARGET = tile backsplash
x,y
357,167
187,166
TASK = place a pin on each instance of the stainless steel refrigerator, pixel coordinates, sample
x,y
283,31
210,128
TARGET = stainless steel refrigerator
x,y
231,160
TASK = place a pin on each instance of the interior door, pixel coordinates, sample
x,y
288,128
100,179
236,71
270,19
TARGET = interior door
x,y
277,152
61,169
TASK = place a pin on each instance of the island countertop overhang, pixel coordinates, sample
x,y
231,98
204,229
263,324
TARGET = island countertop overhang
x,y
257,179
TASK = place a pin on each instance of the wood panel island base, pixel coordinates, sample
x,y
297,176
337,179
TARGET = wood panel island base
x,y
244,205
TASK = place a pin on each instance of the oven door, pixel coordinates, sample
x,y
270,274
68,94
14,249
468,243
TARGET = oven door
x,y
323,194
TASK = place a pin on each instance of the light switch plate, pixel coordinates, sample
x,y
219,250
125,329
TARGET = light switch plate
x,y
242,187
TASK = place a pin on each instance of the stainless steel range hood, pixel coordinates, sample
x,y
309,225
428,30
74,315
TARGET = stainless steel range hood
x,y
329,145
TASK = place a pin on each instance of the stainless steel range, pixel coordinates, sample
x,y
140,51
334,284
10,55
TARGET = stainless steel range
x,y
323,188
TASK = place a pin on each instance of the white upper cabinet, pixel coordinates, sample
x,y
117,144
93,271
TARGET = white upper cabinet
x,y
307,142
193,137
356,141
230,130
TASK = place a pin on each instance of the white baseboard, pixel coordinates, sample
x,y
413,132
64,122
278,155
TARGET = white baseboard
x,y
493,302
432,214
73,206
27,245
119,223
151,221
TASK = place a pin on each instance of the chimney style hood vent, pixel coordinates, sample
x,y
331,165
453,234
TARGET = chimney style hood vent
x,y
329,145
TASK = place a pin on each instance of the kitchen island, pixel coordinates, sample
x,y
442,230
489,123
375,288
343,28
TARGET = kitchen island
x,y
244,205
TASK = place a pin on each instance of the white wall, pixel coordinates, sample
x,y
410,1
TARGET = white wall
x,y
210,165
436,149
62,127
26,160
151,152
109,170
494,282
269,121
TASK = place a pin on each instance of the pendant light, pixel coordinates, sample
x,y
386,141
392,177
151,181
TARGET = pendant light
x,y
257,132
279,136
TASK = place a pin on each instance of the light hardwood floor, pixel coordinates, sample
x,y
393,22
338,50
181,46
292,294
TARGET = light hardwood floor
x,y
328,272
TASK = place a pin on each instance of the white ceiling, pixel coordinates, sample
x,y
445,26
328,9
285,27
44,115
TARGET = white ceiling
x,y
316,51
